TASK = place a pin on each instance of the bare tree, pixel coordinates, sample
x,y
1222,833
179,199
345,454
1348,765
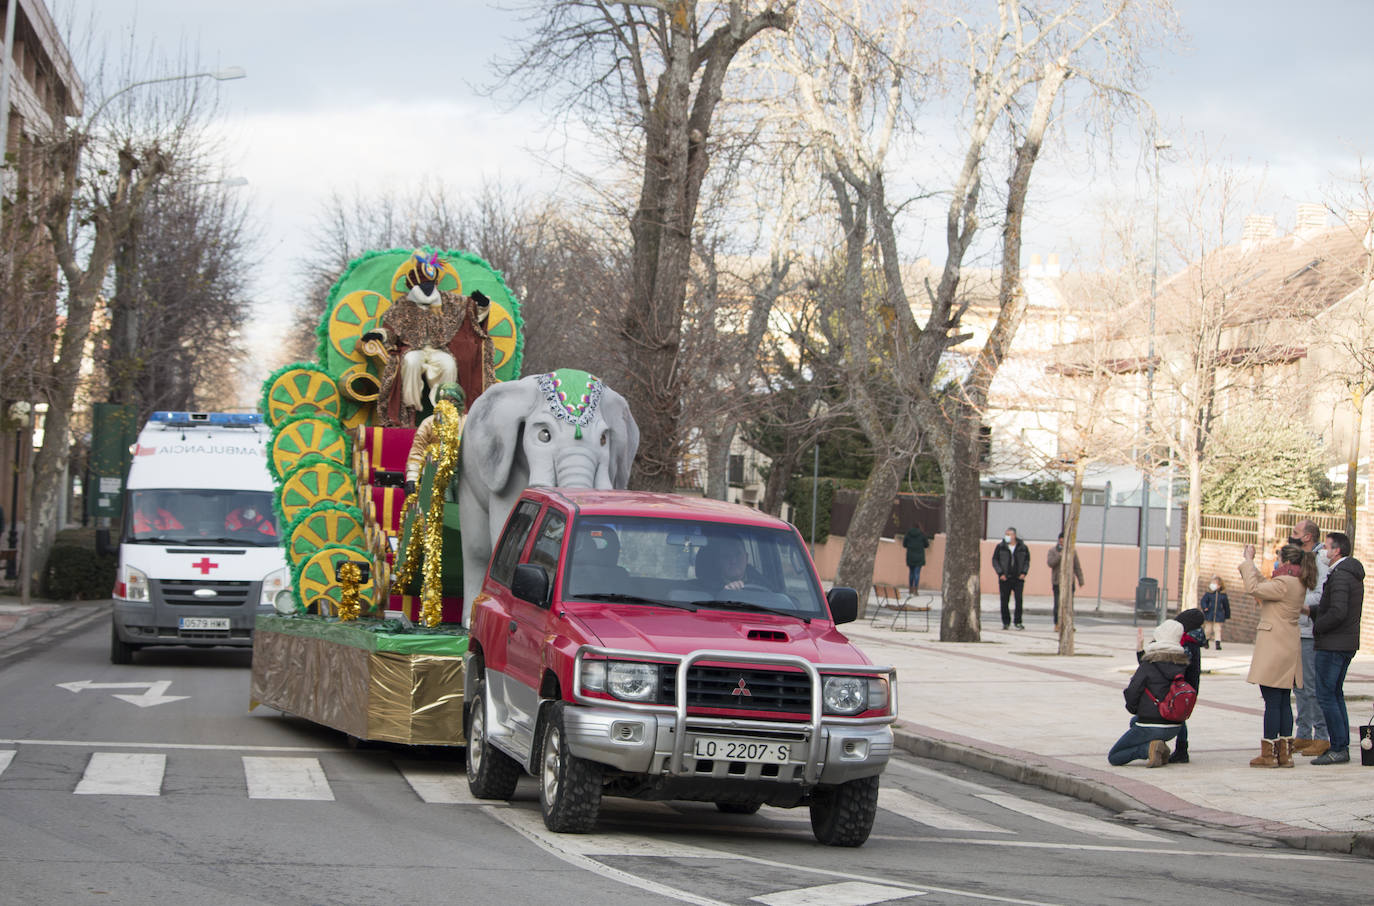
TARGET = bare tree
x,y
653,72
860,75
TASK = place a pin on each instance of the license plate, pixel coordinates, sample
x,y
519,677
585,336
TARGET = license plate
x,y
727,749
203,623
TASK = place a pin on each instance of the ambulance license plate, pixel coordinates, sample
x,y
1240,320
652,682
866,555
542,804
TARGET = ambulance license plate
x,y
203,623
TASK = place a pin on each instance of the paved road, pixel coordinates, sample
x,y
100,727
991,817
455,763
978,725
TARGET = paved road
x,y
194,799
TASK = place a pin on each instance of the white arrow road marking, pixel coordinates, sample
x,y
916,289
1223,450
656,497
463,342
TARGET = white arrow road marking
x,y
153,694
122,774
6,757
915,808
437,783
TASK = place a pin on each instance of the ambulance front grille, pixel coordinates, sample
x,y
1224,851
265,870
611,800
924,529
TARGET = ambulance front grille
x,y
182,592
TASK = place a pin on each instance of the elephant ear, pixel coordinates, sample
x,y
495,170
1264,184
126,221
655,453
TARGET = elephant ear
x,y
624,435
491,433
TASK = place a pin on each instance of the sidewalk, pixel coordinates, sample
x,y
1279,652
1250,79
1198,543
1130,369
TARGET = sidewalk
x,y
1012,706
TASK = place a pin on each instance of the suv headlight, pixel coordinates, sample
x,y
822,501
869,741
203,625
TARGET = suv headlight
x,y
273,583
854,694
135,584
629,681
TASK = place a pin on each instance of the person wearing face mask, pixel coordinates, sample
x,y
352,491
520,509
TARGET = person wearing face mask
x,y
1216,610
1310,736
251,519
1011,562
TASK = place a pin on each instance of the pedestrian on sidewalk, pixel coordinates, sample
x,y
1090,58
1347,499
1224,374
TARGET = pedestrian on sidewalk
x,y
1216,610
1276,664
1053,559
1191,621
1161,659
915,542
1011,562
1309,724
1336,632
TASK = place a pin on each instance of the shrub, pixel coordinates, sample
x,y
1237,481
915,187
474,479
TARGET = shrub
x,y
78,573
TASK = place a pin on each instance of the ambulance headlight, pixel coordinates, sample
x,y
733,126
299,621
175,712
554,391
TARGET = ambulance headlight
x,y
135,584
273,583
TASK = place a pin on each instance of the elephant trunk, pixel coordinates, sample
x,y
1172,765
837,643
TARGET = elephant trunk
x,y
577,468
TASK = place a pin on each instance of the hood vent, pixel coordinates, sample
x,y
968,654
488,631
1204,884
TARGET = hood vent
x,y
767,635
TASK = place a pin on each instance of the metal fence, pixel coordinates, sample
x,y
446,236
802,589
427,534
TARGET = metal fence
x,y
1039,520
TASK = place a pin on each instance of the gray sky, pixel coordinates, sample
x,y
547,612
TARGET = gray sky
x,y
334,85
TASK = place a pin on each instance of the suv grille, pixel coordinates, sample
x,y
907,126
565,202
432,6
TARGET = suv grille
x,y
182,592
783,691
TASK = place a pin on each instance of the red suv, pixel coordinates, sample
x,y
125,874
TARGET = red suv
x,y
663,647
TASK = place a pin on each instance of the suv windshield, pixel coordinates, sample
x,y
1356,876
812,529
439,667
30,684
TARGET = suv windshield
x,y
743,567
199,516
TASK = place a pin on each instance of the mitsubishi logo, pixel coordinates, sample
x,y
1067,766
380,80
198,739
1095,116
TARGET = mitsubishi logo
x,y
741,689
205,565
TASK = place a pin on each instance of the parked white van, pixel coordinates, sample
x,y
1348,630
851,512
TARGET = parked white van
x,y
199,554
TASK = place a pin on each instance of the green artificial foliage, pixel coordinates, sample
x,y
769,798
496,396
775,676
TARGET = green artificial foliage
x,y
305,462
323,506
272,379
328,424
77,573
1045,489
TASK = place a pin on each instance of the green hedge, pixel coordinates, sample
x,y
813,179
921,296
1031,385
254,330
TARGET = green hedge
x,y
79,573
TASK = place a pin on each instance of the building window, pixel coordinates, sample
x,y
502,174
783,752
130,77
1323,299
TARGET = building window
x,y
737,469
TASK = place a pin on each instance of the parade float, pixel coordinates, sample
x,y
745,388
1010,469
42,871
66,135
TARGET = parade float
x,y
368,638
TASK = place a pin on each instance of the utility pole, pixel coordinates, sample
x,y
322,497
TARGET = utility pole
x,y
1159,145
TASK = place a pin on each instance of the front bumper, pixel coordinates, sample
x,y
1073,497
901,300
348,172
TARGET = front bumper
x,y
149,623
655,739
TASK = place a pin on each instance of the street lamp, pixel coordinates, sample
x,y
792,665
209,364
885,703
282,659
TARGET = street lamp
x,y
1159,145
222,75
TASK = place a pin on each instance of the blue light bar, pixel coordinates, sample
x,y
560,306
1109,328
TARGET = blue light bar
x,y
215,419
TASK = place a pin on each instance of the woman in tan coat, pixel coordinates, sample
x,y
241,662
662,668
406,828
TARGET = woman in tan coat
x,y
1276,665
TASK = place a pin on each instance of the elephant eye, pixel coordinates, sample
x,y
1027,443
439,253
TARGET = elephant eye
x,y
603,438
545,435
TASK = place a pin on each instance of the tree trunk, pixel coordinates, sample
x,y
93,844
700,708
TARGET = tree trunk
x,y
1192,541
779,476
718,463
25,553
1067,589
1352,465
960,608
870,518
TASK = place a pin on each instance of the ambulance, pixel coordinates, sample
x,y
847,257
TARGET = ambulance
x,y
200,554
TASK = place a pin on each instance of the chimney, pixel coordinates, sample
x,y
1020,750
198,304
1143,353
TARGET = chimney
x,y
1311,218
1258,227
1052,265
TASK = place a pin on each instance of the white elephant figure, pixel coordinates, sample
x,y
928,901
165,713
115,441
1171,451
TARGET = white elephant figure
x,y
561,429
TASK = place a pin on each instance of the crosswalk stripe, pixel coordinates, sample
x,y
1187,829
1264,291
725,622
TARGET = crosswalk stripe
x,y
122,774
930,814
845,893
285,778
6,756
1068,820
435,784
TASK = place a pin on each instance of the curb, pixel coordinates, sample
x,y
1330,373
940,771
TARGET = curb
x,y
1012,764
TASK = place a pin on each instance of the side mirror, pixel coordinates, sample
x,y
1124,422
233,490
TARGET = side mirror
x,y
844,604
531,583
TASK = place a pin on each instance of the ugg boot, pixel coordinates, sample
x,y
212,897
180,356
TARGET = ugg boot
x,y
1218,644
1316,747
1283,752
1266,757
1300,744
1159,754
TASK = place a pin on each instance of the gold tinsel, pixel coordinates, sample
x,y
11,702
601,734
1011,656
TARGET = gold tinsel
x,y
448,423
350,577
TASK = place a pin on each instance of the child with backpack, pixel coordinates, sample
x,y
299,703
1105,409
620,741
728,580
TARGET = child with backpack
x,y
1160,698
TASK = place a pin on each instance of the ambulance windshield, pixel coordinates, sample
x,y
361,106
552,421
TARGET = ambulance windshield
x,y
184,516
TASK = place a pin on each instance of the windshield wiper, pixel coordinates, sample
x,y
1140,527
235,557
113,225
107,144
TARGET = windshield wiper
x,y
634,599
750,606
233,542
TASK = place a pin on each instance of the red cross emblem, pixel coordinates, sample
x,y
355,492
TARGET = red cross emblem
x,y
205,566
741,689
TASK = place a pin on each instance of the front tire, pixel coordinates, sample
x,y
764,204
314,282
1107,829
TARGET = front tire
x,y
843,815
121,652
492,774
569,787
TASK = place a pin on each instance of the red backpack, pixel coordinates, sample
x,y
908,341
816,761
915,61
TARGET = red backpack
x,y
1177,703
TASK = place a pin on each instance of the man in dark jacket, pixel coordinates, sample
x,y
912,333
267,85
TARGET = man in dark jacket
x,y
1011,562
1162,659
915,542
1336,631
